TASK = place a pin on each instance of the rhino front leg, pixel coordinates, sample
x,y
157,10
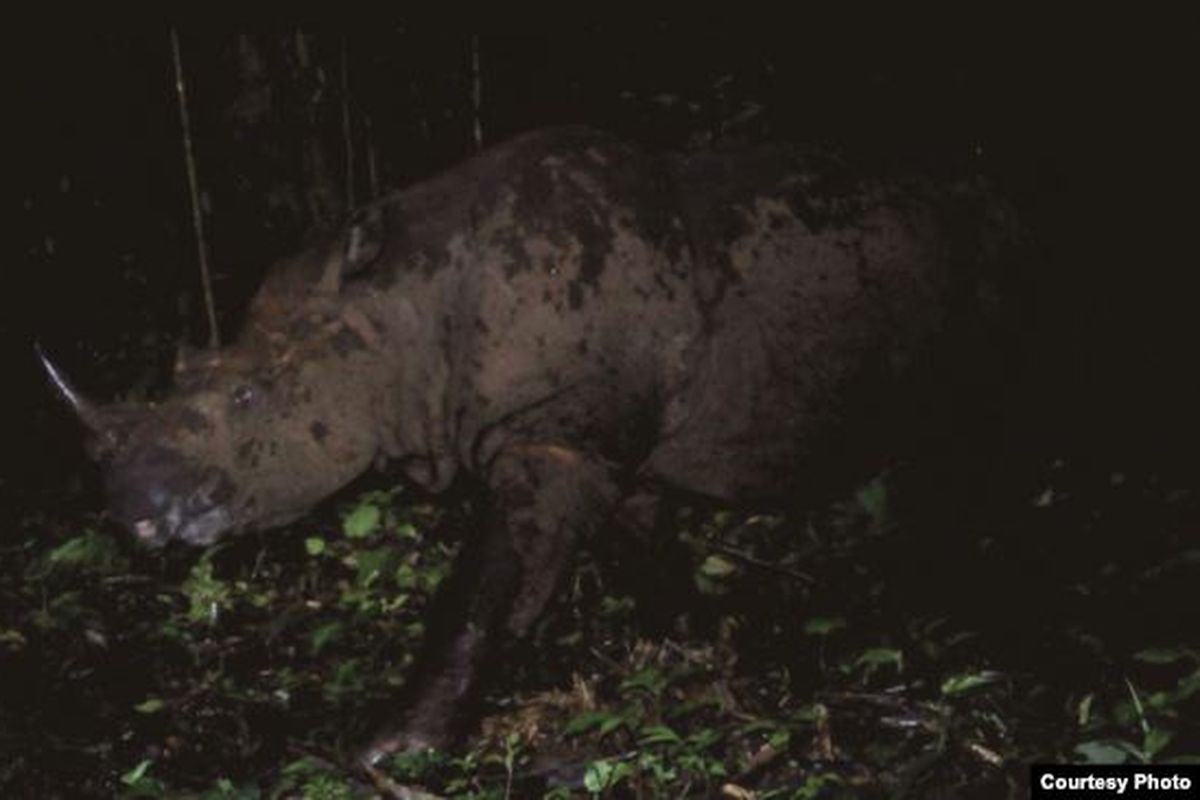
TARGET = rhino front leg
x,y
542,498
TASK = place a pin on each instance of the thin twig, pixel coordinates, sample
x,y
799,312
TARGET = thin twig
x,y
214,337
476,92
615,666
372,174
322,760
750,560
346,123
394,790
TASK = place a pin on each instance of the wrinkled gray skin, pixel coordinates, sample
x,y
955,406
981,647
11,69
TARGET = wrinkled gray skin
x,y
571,323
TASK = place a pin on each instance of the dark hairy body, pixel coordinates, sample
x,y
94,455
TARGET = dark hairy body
x,y
570,324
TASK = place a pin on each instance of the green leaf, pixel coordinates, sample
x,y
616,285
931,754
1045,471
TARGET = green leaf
x,y
92,553
823,626
136,774
611,724
704,738
324,635
605,774
967,681
648,680
314,545
1188,686
362,521
225,789
615,607
1101,752
405,577
717,567
302,766
1155,740
658,734
816,785
872,498
587,721
1084,711
206,593
149,706
876,657
1162,655
12,639
1137,704
373,563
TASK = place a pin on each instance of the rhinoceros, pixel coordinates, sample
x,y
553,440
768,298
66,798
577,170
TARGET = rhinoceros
x,y
564,322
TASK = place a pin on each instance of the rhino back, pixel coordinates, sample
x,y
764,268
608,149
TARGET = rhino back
x,y
577,316
714,319
819,288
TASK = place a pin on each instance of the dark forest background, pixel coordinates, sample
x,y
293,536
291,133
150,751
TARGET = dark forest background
x,y
1082,124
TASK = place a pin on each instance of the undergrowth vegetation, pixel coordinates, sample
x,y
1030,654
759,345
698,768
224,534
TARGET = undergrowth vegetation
x,y
866,650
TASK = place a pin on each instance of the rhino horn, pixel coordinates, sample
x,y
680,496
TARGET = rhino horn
x,y
87,412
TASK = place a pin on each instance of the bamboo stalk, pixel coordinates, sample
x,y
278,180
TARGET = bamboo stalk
x,y
214,336
372,171
476,93
346,133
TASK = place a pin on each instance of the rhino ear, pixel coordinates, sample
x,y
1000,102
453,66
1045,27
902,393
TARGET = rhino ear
x,y
364,240
354,251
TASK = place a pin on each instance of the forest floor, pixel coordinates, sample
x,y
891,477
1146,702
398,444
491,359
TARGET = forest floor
x,y
904,641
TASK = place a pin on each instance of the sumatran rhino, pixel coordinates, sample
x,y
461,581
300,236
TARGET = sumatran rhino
x,y
565,322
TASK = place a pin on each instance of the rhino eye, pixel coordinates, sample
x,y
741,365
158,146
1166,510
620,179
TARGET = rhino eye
x,y
245,396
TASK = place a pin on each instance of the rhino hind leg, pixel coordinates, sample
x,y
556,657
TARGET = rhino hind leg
x,y
541,498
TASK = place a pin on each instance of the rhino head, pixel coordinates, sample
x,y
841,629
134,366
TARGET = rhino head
x,y
251,436
236,446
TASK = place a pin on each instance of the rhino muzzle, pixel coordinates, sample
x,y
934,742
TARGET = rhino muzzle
x,y
160,497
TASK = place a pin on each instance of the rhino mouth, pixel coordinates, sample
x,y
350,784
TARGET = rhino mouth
x,y
197,518
197,527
